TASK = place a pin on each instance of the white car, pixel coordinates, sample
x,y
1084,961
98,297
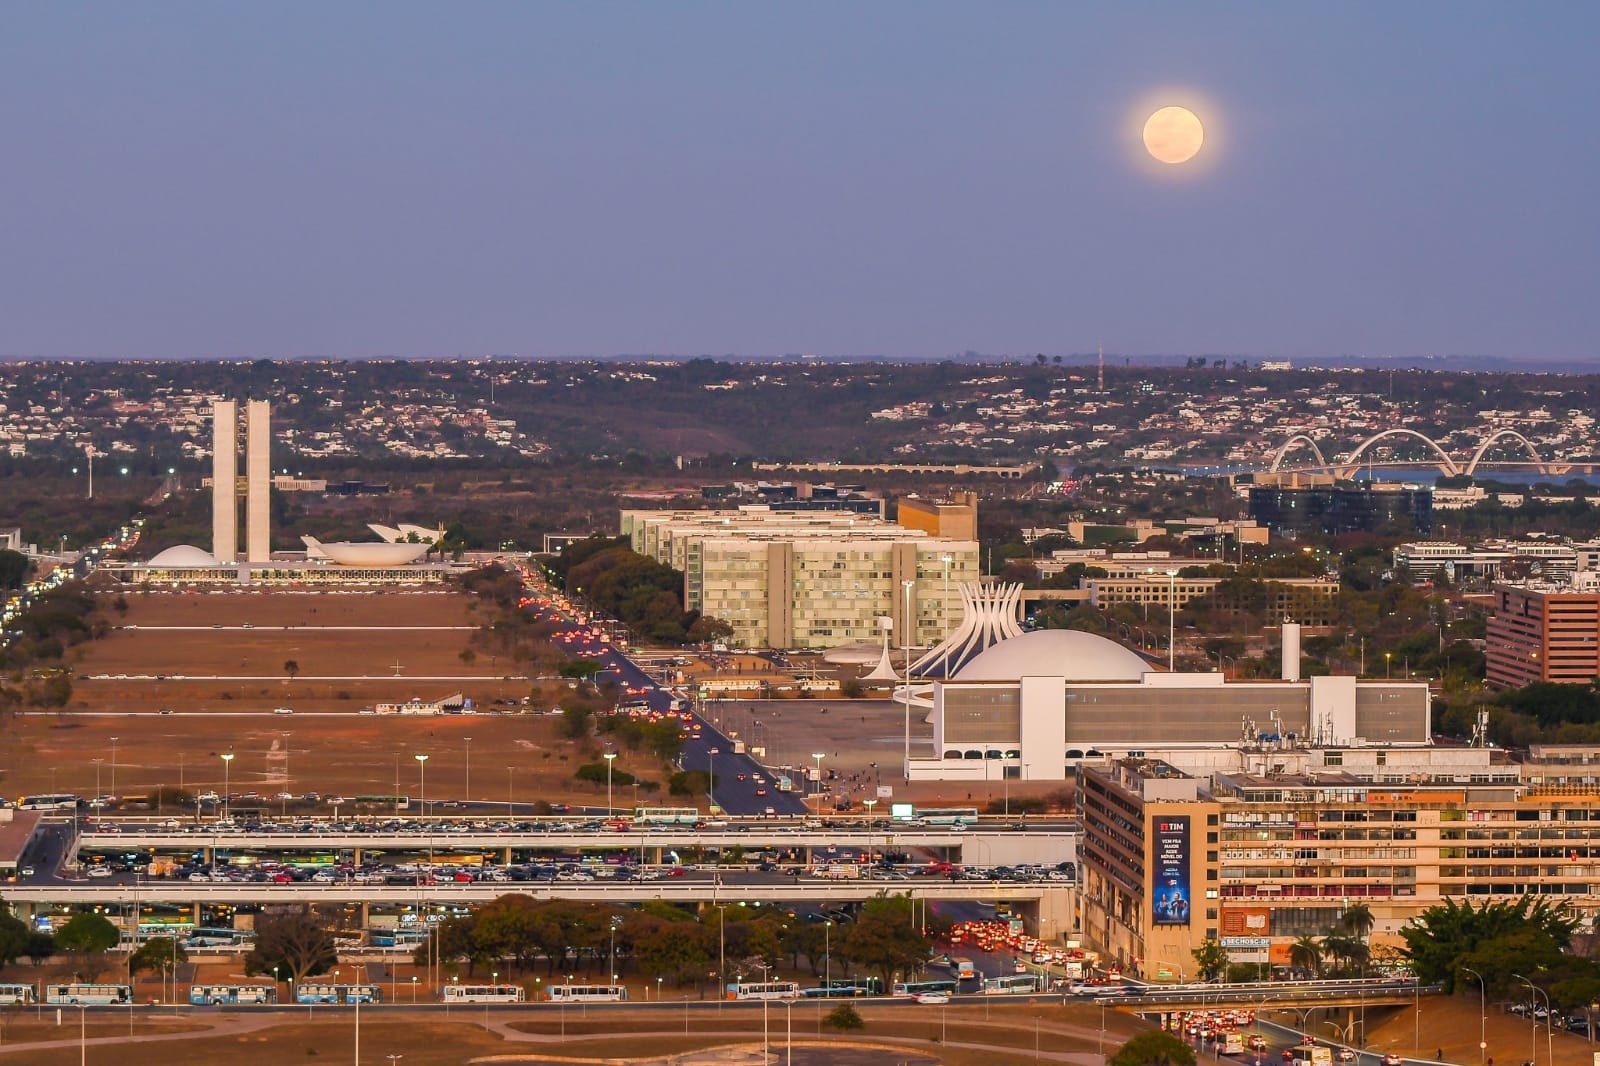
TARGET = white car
x,y
99,871
934,998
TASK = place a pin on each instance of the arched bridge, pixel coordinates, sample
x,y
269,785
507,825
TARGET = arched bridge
x,y
1348,464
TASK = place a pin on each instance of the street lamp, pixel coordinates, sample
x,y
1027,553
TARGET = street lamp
x,y
1483,1014
467,788
1537,992
422,781
1172,620
610,758
905,692
817,755
227,763
113,766
360,993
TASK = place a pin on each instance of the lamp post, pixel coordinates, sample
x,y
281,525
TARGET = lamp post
x,y
817,755
113,766
1388,658
610,758
827,953
508,792
711,762
422,781
1172,620
944,604
467,787
360,994
284,792
905,692
1483,1014
227,762
1536,991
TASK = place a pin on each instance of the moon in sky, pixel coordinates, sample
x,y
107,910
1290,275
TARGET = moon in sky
x,y
1173,135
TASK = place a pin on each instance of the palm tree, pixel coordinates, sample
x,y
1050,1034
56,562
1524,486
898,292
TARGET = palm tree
x,y
1358,920
1306,954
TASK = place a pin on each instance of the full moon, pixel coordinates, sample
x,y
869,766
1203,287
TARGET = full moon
x,y
1173,135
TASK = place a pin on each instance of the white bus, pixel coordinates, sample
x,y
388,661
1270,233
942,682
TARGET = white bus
x,y
87,994
947,816
484,994
220,995
668,816
764,990
587,993
55,802
18,994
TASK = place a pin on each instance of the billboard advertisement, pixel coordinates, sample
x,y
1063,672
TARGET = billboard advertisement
x,y
1171,896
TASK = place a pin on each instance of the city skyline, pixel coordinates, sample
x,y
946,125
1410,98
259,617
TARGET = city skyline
x,y
909,181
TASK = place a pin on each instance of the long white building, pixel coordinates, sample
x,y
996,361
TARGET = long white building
x,y
809,580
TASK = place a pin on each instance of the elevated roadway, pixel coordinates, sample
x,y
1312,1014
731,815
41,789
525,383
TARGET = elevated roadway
x,y
1272,995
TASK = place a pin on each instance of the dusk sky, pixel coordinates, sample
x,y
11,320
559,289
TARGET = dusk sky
x,y
900,179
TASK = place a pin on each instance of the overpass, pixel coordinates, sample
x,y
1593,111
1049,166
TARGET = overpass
x,y
1273,995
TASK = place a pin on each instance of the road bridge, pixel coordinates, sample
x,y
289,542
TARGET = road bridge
x,y
1273,995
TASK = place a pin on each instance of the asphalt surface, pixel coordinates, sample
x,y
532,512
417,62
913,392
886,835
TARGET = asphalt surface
x,y
707,750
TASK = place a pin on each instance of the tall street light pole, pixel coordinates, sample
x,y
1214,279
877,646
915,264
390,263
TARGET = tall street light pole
x,y
113,766
905,692
227,762
422,781
610,758
467,788
817,755
1172,620
1483,1014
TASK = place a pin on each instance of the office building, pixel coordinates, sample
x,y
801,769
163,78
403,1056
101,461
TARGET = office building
x,y
786,579
1343,507
1541,632
224,481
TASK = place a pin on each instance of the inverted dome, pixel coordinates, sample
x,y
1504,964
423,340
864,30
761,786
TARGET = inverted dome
x,y
1068,653
184,555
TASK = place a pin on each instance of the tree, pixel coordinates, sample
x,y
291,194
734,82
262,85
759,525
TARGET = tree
x,y
295,941
1357,920
1155,1048
159,954
39,948
1210,959
13,938
846,1019
13,569
1447,936
88,937
1306,953
291,667
885,938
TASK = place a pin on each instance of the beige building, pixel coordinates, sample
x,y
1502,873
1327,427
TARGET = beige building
x,y
787,579
951,519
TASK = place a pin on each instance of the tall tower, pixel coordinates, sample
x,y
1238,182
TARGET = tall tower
x,y
225,481
258,481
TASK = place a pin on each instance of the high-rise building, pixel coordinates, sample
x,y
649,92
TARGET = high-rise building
x,y
258,493
1544,633
225,481
1343,507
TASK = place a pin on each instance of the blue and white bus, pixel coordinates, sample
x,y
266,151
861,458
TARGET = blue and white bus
x,y
1015,984
454,993
587,993
668,816
52,802
763,990
10,994
88,994
229,995
935,816
916,988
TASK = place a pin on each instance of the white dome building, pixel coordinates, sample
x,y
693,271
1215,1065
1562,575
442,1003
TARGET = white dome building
x,y
1068,653
183,557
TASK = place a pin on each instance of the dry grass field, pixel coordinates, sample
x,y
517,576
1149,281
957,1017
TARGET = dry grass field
x,y
325,745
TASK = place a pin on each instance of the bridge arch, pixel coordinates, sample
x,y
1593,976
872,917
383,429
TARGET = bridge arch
x,y
1277,458
1447,464
1477,456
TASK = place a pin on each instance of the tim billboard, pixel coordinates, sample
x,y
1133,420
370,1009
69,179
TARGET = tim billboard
x,y
1171,888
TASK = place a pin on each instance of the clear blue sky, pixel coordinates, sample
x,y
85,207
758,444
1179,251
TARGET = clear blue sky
x,y
907,179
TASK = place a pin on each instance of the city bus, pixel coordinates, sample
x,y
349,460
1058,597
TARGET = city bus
x,y
404,939
587,993
764,990
220,995
88,995
963,969
52,802
484,994
1015,983
871,986
916,988
10,994
947,815
668,816
217,937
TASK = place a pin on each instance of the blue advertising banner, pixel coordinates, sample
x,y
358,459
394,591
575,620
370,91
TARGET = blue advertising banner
x,y
1171,885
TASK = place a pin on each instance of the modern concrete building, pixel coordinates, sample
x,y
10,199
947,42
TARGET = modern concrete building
x,y
1539,632
952,519
809,580
224,481
258,491
226,486
1034,707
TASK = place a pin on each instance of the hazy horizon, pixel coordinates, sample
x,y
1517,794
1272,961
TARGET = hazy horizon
x,y
896,181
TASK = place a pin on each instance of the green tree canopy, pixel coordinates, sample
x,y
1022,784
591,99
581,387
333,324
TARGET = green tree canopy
x,y
1154,1048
